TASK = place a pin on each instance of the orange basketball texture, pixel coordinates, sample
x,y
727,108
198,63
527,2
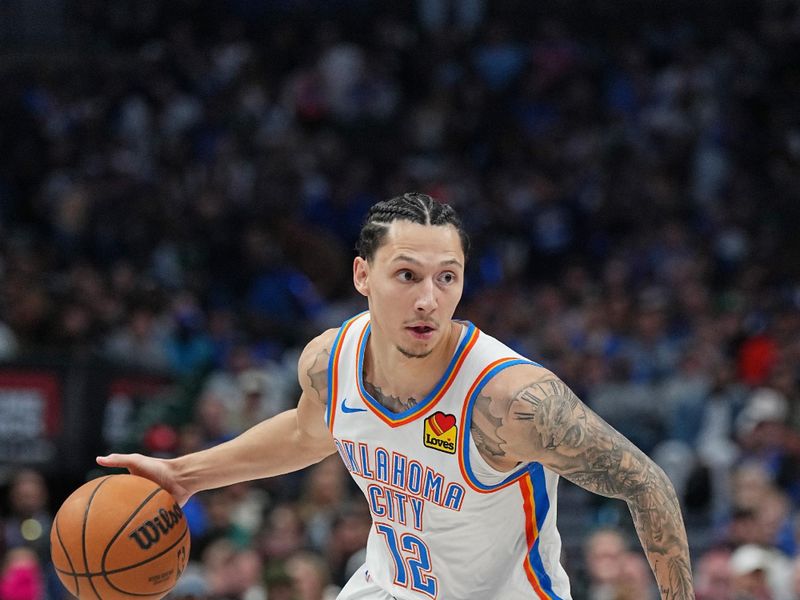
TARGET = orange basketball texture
x,y
119,537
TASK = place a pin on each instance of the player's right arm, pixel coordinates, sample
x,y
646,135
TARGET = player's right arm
x,y
287,442
528,414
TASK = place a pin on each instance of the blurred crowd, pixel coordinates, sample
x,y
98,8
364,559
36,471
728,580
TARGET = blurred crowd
x,y
182,186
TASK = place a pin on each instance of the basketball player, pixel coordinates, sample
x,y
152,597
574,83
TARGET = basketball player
x,y
456,440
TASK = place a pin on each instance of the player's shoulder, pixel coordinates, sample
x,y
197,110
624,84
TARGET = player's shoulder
x,y
317,347
509,381
312,366
321,346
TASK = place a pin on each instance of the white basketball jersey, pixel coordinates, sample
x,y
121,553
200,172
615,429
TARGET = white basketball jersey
x,y
446,525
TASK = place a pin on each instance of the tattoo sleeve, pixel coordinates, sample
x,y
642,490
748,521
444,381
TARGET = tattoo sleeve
x,y
546,422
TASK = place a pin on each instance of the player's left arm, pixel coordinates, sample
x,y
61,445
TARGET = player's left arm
x,y
528,414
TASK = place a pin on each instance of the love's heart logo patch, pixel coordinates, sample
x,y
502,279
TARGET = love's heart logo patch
x,y
441,432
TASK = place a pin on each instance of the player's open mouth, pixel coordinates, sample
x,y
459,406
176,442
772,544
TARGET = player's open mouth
x,y
421,331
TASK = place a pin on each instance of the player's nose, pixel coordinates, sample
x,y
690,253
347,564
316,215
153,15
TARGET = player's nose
x,y
426,296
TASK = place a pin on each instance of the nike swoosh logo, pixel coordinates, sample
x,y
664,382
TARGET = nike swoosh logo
x,y
349,409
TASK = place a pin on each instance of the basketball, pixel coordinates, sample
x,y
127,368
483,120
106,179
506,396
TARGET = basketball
x,y
119,537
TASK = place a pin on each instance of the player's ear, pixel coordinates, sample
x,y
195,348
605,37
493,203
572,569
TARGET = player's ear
x,y
361,275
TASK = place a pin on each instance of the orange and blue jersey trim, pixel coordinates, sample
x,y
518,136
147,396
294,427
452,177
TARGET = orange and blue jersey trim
x,y
536,505
531,480
466,422
396,419
333,370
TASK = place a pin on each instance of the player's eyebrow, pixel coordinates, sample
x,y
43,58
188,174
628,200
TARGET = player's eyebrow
x,y
451,262
414,261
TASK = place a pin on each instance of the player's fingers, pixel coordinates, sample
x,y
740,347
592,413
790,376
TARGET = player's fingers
x,y
116,460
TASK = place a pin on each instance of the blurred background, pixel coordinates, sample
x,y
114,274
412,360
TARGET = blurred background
x,y
182,184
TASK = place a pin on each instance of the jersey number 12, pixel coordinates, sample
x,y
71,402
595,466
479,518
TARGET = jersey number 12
x,y
412,560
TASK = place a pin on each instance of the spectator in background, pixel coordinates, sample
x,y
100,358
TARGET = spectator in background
x,y
765,437
683,395
325,491
282,534
760,427
761,570
774,521
219,507
28,521
188,347
629,404
141,341
761,512
27,526
604,553
191,585
216,562
713,575
636,579
279,584
716,447
238,575
263,395
251,390
346,549
685,392
653,349
750,566
311,577
21,577
212,419
250,502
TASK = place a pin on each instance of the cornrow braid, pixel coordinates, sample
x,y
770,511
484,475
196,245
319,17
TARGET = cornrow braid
x,y
411,206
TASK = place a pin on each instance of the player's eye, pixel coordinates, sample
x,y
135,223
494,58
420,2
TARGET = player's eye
x,y
405,275
447,278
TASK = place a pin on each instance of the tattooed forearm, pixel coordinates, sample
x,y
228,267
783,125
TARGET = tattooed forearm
x,y
393,403
546,422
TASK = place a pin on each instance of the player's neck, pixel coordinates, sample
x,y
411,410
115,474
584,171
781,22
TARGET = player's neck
x,y
398,381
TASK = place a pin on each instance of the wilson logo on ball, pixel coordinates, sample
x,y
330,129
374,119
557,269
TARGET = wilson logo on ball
x,y
149,532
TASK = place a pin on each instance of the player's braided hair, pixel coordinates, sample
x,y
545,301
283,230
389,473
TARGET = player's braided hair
x,y
411,206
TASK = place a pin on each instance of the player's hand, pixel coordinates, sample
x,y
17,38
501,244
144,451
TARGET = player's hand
x,y
155,469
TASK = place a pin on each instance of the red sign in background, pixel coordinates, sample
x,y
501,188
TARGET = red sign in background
x,y
30,415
